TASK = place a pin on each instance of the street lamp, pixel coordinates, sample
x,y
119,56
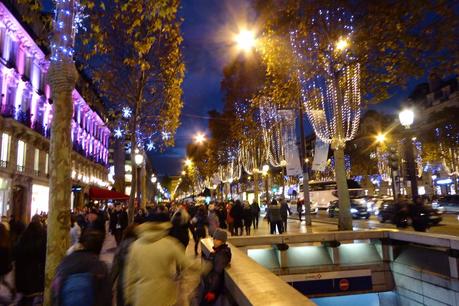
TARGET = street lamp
x,y
188,162
154,179
138,159
381,138
183,172
406,118
199,138
245,40
342,44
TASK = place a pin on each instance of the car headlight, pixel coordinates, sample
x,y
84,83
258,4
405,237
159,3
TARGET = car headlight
x,y
354,211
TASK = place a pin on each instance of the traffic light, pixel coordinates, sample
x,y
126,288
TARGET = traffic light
x,y
393,158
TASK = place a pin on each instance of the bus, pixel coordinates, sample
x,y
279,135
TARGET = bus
x,y
322,194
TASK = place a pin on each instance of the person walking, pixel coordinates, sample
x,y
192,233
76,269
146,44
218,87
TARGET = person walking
x,y
285,212
117,273
274,216
229,218
30,257
181,226
118,222
199,223
5,264
153,261
236,213
81,278
220,258
255,208
299,209
214,223
247,217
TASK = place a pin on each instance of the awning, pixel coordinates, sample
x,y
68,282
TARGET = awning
x,y
105,194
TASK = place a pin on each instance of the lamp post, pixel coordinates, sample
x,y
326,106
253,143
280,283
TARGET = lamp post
x,y
265,173
138,159
406,118
154,179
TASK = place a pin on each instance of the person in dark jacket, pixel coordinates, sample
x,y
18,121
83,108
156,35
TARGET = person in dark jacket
x,y
118,222
247,216
274,216
236,213
180,226
255,213
220,258
30,257
285,212
299,209
221,213
5,259
119,262
83,269
199,223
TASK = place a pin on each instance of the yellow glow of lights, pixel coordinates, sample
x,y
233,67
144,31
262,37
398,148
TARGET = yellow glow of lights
x,y
199,138
380,138
342,44
188,162
245,40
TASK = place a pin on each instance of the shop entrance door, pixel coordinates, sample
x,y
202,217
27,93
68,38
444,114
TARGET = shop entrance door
x,y
19,208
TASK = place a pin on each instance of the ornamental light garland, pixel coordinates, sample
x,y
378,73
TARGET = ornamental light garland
x,y
332,96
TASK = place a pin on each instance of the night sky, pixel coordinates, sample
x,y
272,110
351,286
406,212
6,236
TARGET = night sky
x,y
207,40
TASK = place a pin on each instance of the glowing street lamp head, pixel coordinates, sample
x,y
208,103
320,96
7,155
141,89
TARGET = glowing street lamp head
x,y
406,117
188,162
381,138
138,158
265,168
342,44
199,138
245,40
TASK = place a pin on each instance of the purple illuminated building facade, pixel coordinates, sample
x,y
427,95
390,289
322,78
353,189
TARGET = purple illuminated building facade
x,y
26,115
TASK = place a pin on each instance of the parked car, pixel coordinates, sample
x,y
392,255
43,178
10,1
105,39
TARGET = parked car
x,y
447,204
358,209
403,214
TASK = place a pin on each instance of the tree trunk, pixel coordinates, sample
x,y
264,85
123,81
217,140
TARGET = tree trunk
x,y
255,186
133,181
345,217
62,77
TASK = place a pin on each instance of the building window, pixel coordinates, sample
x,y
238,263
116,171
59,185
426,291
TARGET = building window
x,y
36,161
47,163
5,149
22,147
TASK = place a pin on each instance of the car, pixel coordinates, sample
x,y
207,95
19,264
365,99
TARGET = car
x,y
358,209
447,204
401,214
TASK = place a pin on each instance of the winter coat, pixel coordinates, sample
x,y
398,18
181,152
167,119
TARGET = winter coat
x,y
117,272
236,213
200,222
30,256
151,266
5,260
274,213
255,209
180,227
247,215
118,221
220,259
284,210
213,222
82,261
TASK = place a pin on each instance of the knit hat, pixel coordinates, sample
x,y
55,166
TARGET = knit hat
x,y
221,235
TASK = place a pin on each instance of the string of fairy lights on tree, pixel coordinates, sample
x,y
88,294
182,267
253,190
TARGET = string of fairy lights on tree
x,y
331,89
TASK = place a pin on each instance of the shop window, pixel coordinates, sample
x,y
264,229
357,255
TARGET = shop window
x,y
6,139
47,163
22,147
36,161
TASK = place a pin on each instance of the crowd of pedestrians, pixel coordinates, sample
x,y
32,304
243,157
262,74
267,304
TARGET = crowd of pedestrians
x,y
149,264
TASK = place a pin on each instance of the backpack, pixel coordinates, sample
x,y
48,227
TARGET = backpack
x,y
77,290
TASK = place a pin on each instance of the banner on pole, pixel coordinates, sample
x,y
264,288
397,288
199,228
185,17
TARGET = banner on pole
x,y
289,139
320,156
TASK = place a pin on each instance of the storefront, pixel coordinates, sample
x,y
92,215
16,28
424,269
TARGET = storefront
x,y
40,199
4,195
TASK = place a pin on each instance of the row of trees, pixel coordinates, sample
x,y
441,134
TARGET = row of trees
x,y
392,41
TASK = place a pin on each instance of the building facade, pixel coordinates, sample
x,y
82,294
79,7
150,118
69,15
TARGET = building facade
x,y
26,115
